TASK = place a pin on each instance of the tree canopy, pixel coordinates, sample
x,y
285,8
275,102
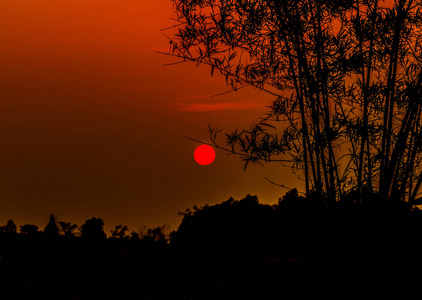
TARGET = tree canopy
x,y
346,79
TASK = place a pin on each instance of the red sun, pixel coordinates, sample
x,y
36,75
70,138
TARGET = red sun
x,y
204,155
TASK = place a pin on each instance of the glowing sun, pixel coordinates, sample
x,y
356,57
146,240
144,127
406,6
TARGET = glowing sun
x,y
204,155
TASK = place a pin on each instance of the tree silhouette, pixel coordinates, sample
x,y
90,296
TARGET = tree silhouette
x,y
67,229
51,230
134,236
119,232
347,81
254,248
92,229
155,234
226,232
29,230
9,228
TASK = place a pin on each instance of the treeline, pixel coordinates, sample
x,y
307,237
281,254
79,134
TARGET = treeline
x,y
91,229
64,261
237,249
300,245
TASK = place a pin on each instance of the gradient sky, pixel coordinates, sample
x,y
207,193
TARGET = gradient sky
x,y
93,125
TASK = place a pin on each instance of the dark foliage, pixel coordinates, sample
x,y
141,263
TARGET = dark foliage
x,y
238,249
246,250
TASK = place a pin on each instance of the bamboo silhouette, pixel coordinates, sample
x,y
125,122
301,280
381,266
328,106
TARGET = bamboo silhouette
x,y
347,83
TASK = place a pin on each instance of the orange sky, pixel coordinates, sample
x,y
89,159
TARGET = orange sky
x,y
93,125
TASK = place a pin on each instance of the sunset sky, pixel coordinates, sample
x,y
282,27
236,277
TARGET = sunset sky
x,y
93,125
